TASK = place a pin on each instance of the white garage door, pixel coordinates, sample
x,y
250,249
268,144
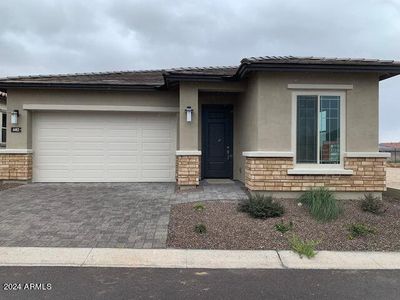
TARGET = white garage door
x,y
104,147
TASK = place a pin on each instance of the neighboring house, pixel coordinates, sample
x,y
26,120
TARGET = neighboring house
x,y
392,145
3,119
279,124
393,149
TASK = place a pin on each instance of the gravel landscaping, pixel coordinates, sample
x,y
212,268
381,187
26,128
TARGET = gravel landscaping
x,y
227,228
6,186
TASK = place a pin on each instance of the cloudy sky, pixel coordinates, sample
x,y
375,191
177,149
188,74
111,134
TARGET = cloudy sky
x,y
53,36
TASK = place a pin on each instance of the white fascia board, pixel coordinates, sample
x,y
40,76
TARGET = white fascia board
x,y
188,152
267,154
368,154
320,86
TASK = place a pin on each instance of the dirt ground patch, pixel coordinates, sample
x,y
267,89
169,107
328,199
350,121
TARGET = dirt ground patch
x,y
227,228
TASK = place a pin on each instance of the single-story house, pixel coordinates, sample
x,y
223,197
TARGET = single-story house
x,y
281,125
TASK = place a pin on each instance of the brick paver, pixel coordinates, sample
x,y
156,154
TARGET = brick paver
x,y
115,215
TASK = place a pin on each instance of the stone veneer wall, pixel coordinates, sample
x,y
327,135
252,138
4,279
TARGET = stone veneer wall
x,y
270,174
188,170
15,166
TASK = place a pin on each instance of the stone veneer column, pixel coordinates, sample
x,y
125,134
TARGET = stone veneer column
x,y
15,165
188,168
271,174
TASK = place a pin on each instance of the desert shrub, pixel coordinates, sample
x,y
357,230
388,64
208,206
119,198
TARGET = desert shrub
x,y
283,228
303,247
321,204
200,228
261,206
372,204
359,230
199,206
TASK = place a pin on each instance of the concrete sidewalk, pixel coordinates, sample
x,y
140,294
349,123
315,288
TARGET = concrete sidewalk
x,y
204,259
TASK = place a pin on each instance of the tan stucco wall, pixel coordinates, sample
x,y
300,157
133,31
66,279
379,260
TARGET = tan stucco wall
x,y
246,125
17,98
189,133
264,112
275,108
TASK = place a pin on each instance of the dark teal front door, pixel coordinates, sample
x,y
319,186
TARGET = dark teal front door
x,y
217,141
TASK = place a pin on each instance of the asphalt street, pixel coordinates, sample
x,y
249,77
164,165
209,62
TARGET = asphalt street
x,y
128,283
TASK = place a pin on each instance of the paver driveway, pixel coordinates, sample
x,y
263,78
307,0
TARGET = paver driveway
x,y
123,215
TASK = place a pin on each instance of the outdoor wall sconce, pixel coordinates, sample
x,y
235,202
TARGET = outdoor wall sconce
x,y
189,111
14,117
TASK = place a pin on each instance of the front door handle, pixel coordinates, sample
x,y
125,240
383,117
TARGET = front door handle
x,y
228,153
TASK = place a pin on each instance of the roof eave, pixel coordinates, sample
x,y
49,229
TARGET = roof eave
x,y
78,86
173,79
384,71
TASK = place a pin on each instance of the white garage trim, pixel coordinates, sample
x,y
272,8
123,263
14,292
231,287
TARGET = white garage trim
x,y
188,152
56,107
16,151
104,146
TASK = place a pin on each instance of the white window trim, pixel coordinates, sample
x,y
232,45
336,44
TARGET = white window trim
x,y
319,167
332,87
267,154
2,143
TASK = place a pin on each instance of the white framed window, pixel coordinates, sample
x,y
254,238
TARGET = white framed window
x,y
3,128
318,129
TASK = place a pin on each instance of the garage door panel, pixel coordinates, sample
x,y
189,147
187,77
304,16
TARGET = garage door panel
x,y
87,132
157,133
157,147
149,174
93,147
157,159
87,159
123,147
126,159
54,132
104,147
52,145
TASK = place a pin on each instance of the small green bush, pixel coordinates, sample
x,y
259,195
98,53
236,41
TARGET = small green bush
x,y
321,204
303,247
372,204
199,206
261,206
283,228
200,228
359,230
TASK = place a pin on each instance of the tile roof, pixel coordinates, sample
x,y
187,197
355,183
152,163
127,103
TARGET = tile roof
x,y
318,60
156,78
145,77
151,77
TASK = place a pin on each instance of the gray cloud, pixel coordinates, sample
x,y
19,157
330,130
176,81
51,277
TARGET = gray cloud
x,y
50,36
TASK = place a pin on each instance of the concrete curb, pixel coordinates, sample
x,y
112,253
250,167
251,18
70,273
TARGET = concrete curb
x,y
197,259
